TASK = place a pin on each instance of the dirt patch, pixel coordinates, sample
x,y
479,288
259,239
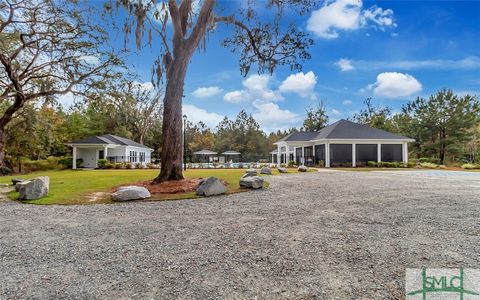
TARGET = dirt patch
x,y
169,187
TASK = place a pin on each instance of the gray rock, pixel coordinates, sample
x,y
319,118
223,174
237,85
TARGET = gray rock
x,y
250,172
127,193
282,170
210,187
252,182
302,169
33,189
266,170
17,180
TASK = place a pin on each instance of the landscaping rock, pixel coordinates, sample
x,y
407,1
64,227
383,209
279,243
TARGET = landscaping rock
x,y
282,170
252,182
302,169
33,189
17,180
127,193
266,170
210,187
250,172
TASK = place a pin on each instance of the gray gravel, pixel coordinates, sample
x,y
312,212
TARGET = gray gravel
x,y
326,235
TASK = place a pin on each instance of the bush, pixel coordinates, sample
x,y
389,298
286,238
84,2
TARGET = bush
x,y
410,164
138,166
4,171
66,162
372,164
291,163
321,163
102,163
432,160
51,163
470,166
128,165
152,166
428,165
118,166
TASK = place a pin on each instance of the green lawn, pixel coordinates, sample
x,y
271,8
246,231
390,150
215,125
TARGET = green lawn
x,y
75,186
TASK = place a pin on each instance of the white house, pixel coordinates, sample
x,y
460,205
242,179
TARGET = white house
x,y
110,147
342,143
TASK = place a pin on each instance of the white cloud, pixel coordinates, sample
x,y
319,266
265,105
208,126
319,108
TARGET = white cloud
x,y
347,102
393,84
196,114
347,15
66,100
205,92
336,112
271,117
469,62
90,59
300,83
147,86
256,87
345,65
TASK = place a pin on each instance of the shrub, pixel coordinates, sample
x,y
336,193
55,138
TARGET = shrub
x,y
321,163
138,166
432,160
291,163
128,165
118,166
470,166
428,165
372,164
410,164
102,163
51,163
66,162
4,171
152,166
283,165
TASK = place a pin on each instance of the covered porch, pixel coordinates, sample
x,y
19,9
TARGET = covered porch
x,y
340,153
90,154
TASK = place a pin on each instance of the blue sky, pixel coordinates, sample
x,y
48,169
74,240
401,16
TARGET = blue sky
x,y
392,51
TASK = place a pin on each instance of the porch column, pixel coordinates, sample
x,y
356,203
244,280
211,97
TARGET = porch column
x,y
295,154
379,152
303,156
354,155
272,158
327,155
279,155
104,152
74,158
405,152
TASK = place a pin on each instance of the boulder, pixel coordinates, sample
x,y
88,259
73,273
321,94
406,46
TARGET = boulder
x,y
210,187
33,189
127,193
282,170
266,170
302,169
250,172
17,180
252,182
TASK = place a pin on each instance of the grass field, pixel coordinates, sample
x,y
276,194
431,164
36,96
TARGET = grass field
x,y
77,186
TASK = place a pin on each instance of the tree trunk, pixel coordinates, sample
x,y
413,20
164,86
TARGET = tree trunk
x,y
172,146
2,147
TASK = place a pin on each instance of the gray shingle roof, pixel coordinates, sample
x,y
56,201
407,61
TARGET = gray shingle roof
x,y
343,129
108,139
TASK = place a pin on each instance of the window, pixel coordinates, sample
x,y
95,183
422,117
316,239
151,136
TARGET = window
x,y
133,156
142,156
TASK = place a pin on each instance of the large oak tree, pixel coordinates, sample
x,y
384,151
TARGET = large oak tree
x,y
47,48
260,42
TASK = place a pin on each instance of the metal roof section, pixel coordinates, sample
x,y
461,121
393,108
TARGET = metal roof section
x,y
344,129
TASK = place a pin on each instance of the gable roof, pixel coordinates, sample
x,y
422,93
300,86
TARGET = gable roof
x,y
344,129
108,139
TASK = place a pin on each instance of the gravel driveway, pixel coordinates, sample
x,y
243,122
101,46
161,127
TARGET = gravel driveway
x,y
325,235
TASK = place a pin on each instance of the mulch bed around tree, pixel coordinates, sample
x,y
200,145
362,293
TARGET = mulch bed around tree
x,y
169,187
